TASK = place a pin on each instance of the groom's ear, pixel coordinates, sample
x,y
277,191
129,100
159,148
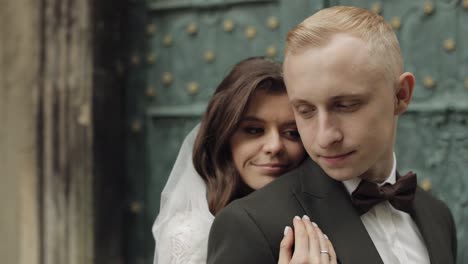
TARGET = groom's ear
x,y
404,92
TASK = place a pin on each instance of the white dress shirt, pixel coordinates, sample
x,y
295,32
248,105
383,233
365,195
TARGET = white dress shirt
x,y
394,233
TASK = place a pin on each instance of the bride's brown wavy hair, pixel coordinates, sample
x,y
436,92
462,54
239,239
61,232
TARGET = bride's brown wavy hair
x,y
212,154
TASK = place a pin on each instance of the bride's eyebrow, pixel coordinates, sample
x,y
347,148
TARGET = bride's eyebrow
x,y
289,123
252,118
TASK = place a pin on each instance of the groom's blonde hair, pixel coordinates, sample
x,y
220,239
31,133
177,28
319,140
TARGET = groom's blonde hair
x,y
318,29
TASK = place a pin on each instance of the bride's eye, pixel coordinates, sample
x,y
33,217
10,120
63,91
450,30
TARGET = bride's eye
x,y
253,130
292,134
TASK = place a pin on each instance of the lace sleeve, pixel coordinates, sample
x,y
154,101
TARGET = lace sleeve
x,y
184,240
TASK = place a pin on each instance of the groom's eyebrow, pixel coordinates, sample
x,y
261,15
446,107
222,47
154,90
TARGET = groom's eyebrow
x,y
295,102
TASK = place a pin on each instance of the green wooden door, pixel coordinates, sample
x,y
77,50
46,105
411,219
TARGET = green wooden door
x,y
180,50
433,134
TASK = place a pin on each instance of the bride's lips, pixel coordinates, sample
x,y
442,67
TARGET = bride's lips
x,y
336,159
272,167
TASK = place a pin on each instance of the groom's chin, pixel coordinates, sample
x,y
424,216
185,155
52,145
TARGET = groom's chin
x,y
341,174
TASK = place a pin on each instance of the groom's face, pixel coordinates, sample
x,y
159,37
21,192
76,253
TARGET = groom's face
x,y
344,108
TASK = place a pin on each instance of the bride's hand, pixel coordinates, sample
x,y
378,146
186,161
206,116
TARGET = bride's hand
x,y
310,244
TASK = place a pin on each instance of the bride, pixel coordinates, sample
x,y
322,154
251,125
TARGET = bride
x,y
247,138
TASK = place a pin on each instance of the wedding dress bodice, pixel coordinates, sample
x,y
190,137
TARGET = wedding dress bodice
x,y
185,239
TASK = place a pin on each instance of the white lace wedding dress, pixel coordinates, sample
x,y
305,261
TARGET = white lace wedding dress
x,y
184,240
183,224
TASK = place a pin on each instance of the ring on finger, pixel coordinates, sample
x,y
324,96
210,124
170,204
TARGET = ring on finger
x,y
325,252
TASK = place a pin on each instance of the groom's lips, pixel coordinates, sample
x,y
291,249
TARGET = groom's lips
x,y
336,159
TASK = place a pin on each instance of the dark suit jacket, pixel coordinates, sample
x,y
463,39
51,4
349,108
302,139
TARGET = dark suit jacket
x,y
250,229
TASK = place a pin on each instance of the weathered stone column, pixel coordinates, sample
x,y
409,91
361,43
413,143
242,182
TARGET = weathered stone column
x,y
65,133
19,82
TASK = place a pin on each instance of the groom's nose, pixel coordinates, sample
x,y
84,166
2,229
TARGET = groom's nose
x,y
328,131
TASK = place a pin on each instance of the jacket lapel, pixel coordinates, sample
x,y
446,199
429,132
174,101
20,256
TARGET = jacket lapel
x,y
328,203
428,227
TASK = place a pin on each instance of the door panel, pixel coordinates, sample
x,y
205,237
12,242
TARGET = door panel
x,y
181,49
165,145
433,134
179,52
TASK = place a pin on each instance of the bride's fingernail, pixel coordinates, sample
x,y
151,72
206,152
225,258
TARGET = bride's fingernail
x,y
306,217
314,224
286,230
325,236
297,217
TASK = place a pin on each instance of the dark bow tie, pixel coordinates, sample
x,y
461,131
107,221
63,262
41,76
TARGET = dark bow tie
x,y
400,195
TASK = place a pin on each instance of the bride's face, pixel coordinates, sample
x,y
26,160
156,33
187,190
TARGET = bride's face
x,y
266,143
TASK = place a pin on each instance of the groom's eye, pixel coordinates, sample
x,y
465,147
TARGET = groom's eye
x,y
304,111
347,106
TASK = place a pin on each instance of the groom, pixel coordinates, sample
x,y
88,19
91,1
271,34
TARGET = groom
x,y
344,75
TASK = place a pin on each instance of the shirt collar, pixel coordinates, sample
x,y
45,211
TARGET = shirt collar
x,y
352,184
